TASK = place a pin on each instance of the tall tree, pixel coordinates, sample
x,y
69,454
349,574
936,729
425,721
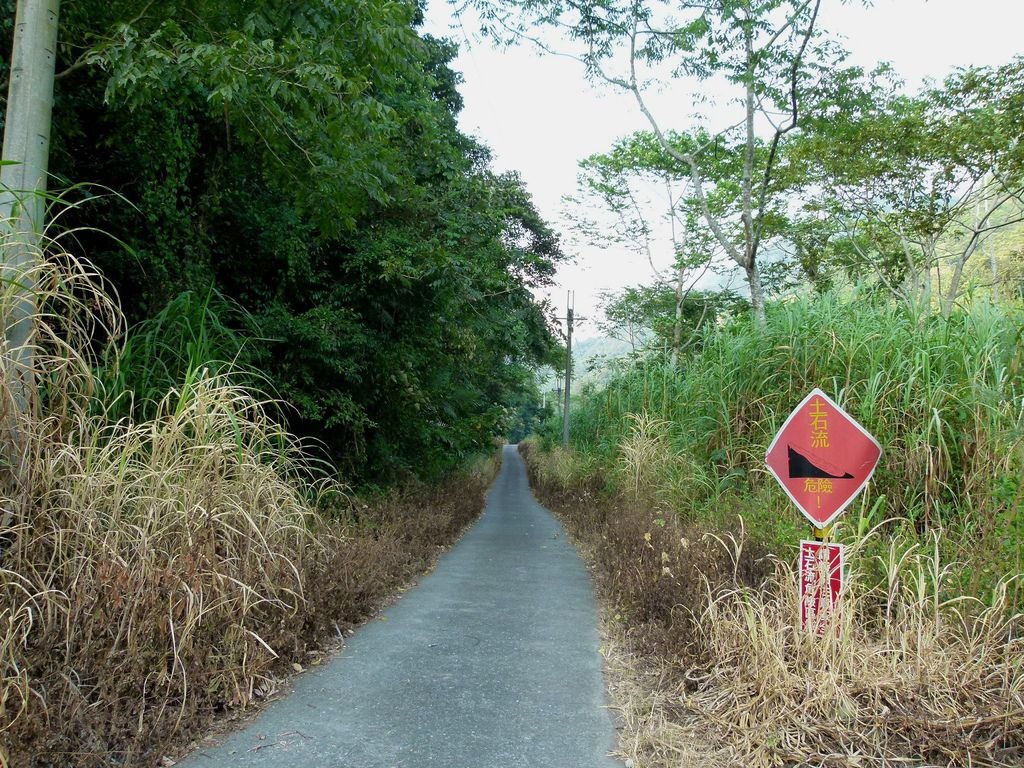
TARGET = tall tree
x,y
767,51
303,161
651,318
652,211
916,184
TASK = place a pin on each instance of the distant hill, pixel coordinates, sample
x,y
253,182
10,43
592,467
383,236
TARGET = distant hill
x,y
592,360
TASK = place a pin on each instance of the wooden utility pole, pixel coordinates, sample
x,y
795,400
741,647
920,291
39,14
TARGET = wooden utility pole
x,y
26,154
568,371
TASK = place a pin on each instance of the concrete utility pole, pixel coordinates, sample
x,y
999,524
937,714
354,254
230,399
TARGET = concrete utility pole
x,y
26,154
568,372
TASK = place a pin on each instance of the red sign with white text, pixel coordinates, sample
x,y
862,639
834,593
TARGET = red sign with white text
x,y
822,458
821,580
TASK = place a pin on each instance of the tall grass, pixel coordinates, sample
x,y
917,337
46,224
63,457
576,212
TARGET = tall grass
x,y
710,666
167,550
913,673
945,398
195,332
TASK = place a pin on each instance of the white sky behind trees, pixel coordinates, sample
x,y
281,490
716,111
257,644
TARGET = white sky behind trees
x,y
540,116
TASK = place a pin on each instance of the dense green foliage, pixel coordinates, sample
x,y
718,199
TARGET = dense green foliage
x,y
300,163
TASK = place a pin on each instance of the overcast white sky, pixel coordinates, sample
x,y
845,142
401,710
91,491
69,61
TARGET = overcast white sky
x,y
541,117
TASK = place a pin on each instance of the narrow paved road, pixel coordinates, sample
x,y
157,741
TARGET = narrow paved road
x,y
492,662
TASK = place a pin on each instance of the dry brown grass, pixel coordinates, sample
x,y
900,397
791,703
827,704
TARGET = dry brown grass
x,y
171,555
644,454
149,569
913,674
651,567
641,693
156,573
707,667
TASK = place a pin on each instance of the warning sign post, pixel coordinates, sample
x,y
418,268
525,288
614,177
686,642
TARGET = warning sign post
x,y
822,458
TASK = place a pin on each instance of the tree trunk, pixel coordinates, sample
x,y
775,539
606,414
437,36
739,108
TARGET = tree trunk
x,y
26,150
993,265
953,292
749,235
931,262
756,296
982,211
677,326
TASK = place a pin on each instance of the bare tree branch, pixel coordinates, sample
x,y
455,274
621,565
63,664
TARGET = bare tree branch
x,y
794,114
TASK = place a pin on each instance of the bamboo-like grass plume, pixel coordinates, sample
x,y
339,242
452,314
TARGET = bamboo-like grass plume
x,y
943,396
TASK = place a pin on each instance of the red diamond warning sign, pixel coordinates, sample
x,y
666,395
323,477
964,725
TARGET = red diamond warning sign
x,y
822,458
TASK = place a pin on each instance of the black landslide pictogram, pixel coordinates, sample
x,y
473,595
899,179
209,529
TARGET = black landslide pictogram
x,y
801,466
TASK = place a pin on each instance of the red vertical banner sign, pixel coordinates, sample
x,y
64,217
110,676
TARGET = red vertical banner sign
x,y
821,580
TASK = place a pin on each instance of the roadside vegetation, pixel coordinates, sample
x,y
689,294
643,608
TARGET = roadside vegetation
x,y
284,307
158,571
696,544
285,187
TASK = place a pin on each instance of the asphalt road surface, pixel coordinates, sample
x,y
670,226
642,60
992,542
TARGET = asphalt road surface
x,y
491,662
